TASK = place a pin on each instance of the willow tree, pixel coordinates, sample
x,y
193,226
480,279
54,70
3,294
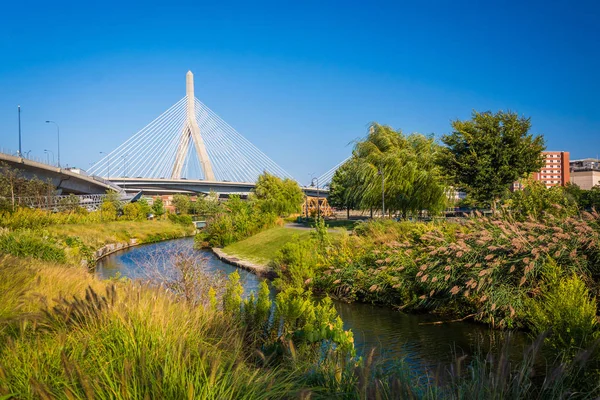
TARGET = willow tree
x,y
412,180
342,187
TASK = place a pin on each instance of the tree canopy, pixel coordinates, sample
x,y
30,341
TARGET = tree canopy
x,y
413,181
489,152
279,196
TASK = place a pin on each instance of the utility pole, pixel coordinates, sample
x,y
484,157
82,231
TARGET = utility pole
x,y
312,183
380,172
58,139
19,112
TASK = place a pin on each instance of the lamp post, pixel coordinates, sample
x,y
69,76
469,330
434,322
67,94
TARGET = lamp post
x,y
48,156
27,152
19,111
312,183
108,160
58,139
380,172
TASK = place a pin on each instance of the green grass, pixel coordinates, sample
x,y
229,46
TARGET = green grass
x,y
262,247
98,234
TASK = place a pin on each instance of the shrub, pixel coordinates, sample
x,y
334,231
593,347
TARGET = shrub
x,y
295,264
180,219
567,311
27,243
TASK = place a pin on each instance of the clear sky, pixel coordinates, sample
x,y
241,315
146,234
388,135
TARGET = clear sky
x,y
301,81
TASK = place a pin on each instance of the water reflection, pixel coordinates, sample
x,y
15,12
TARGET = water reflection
x,y
145,261
417,340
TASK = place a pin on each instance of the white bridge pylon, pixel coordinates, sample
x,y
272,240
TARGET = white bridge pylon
x,y
188,141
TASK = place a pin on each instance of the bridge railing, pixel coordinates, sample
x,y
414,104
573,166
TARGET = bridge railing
x,y
90,202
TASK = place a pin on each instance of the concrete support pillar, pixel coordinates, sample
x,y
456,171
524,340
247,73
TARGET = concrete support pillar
x,y
192,130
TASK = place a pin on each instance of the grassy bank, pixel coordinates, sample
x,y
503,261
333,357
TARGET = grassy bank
x,y
99,234
72,243
262,247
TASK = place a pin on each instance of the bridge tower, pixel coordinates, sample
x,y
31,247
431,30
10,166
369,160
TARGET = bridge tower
x,y
191,131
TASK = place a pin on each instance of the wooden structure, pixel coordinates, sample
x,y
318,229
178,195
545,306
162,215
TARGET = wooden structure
x,y
313,205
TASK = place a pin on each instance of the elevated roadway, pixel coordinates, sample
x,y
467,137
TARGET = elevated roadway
x,y
66,181
159,186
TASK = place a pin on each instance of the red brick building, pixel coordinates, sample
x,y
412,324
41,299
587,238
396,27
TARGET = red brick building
x,y
556,170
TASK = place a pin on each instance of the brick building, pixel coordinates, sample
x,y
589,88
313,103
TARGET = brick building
x,y
556,169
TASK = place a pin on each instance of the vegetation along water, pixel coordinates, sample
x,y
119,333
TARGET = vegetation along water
x,y
501,304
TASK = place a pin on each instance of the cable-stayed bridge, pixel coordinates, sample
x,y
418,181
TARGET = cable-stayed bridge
x,y
188,148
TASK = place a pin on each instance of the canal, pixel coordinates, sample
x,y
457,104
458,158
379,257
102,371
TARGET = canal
x,y
417,339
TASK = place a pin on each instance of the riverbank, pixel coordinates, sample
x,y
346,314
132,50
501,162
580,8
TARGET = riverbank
x,y
83,244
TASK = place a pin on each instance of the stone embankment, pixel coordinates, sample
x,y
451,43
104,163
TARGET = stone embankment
x,y
113,247
257,269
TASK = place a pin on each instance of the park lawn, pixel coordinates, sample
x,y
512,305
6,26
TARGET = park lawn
x,y
262,247
99,234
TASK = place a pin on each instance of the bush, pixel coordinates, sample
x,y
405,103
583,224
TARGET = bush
x,y
567,311
180,219
237,220
295,264
27,243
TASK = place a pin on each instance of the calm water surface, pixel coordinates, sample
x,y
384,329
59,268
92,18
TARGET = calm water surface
x,y
394,334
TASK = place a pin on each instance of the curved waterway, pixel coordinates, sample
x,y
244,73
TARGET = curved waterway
x,y
395,335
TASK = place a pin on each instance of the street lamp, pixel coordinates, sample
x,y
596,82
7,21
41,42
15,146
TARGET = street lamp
x,y
48,156
27,152
380,172
312,183
19,110
58,137
108,155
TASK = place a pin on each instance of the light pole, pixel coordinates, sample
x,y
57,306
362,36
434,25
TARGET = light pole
x,y
48,156
27,152
380,172
108,155
19,110
58,137
312,183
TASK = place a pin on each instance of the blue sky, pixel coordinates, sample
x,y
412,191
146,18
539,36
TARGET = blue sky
x,y
301,81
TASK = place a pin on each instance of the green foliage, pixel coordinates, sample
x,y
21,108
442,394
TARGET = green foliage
x,y
341,188
14,185
206,206
413,182
134,211
486,267
535,201
295,264
180,219
566,309
232,298
236,220
486,154
586,199
27,243
158,207
278,196
182,203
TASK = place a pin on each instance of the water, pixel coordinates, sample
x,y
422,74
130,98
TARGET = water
x,y
396,335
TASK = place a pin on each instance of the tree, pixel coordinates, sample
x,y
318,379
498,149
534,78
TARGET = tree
x,y
535,200
341,189
413,182
182,203
158,207
486,154
275,195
